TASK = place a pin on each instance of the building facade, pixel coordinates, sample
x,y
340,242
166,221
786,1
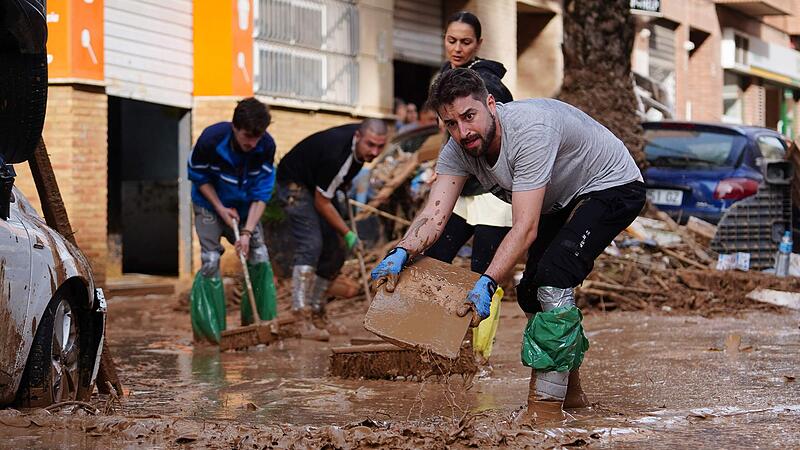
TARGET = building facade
x,y
724,61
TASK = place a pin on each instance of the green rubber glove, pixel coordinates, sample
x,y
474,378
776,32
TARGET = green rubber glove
x,y
350,239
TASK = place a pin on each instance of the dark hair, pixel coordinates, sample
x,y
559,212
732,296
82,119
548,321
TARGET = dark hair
x,y
376,126
467,18
456,83
252,116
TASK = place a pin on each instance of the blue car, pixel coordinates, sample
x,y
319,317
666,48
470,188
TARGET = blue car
x,y
701,169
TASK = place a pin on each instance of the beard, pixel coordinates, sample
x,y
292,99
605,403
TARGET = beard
x,y
485,140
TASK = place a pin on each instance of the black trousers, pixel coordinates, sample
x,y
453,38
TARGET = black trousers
x,y
457,232
569,240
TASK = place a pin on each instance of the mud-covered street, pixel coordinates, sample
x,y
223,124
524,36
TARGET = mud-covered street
x,y
654,379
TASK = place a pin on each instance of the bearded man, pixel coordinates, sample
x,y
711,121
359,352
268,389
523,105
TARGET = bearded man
x,y
572,186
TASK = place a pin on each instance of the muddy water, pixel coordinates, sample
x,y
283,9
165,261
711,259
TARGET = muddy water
x,y
655,381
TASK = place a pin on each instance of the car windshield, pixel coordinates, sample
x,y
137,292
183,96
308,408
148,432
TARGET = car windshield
x,y
690,148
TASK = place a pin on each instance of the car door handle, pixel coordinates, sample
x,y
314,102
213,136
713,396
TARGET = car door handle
x,y
38,244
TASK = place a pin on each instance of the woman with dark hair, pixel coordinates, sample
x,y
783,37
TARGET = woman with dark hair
x,y
478,214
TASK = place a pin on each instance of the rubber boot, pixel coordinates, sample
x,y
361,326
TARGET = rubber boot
x,y
302,283
302,287
207,308
306,328
542,409
264,290
575,398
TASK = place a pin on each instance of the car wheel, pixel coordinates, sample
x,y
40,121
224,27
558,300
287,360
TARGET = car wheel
x,y
52,373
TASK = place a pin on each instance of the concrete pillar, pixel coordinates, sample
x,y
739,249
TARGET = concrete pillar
x,y
376,74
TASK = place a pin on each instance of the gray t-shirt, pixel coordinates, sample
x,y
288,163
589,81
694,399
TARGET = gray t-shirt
x,y
549,143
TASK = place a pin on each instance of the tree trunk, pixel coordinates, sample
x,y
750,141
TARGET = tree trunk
x,y
598,41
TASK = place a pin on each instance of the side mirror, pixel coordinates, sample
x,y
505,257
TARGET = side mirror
x,y
7,175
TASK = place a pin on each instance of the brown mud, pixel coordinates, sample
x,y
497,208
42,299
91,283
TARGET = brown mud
x,y
654,381
372,362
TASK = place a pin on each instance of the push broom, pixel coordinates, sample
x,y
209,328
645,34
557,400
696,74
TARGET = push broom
x,y
260,332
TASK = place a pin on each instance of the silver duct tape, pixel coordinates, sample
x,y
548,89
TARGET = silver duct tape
x,y
302,278
320,286
551,385
210,267
551,297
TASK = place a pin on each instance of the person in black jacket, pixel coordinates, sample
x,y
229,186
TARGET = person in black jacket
x,y
307,181
478,214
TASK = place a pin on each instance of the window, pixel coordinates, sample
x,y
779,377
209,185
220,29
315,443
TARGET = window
x,y
306,50
732,111
771,147
690,147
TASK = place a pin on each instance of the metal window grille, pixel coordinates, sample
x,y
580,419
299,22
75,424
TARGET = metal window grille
x,y
307,50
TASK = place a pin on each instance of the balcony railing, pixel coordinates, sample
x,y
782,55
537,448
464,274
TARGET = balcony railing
x,y
307,50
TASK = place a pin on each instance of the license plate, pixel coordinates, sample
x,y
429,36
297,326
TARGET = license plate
x,y
670,197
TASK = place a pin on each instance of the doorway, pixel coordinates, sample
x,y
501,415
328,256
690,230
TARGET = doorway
x,y
144,161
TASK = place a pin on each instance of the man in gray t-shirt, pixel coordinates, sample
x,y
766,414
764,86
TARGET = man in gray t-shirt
x,y
572,186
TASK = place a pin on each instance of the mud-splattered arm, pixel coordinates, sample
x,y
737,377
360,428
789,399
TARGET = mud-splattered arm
x,y
429,223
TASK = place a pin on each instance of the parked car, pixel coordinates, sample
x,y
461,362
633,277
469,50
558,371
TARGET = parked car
x,y
701,169
52,319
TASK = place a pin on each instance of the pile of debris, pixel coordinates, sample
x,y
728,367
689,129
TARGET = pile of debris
x,y
658,265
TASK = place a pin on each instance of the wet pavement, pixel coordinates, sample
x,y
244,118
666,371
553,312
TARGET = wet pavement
x,y
654,380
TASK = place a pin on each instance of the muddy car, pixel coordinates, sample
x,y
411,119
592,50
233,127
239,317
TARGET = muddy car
x,y
52,319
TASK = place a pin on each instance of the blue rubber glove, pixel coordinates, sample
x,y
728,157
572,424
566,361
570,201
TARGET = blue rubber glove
x,y
389,269
481,298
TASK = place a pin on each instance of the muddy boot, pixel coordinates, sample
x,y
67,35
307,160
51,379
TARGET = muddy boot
x,y
302,283
545,397
302,287
306,328
575,398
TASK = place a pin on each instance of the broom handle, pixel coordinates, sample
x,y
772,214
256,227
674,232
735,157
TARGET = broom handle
x,y
360,254
250,296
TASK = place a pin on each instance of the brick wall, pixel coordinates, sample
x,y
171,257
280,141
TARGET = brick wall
x,y
753,100
704,81
75,132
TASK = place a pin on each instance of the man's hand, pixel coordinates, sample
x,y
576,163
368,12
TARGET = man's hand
x,y
350,239
479,299
243,244
389,269
228,215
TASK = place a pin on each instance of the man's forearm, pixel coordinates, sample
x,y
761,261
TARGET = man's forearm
x,y
254,214
424,231
325,208
514,245
210,194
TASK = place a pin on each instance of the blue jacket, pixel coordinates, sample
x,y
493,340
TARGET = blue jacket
x,y
239,178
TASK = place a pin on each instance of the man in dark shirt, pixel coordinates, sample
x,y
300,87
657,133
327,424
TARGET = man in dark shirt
x,y
308,178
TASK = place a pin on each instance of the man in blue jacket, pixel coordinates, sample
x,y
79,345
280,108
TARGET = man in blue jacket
x,y
232,174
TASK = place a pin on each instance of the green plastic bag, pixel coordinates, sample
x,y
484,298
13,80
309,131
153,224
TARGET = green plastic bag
x,y
207,308
264,291
483,334
554,340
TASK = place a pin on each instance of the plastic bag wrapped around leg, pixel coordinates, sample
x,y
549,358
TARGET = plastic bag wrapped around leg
x,y
207,300
483,334
554,340
264,291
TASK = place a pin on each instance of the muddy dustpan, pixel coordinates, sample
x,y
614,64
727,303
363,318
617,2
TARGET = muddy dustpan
x,y
259,332
421,312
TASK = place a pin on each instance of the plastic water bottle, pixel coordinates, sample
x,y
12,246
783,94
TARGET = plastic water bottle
x,y
784,255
